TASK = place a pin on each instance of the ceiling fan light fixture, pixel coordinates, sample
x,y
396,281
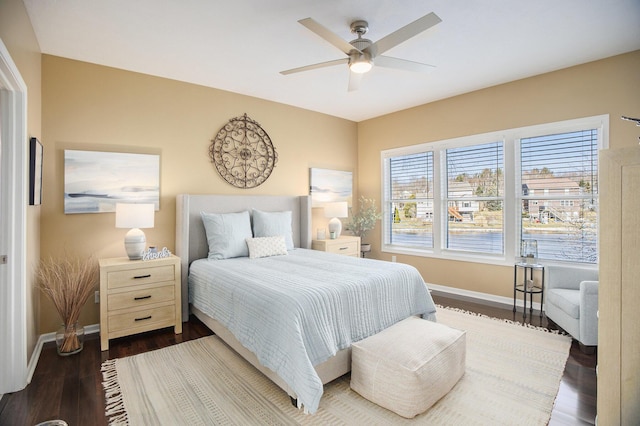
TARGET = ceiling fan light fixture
x,y
361,65
362,52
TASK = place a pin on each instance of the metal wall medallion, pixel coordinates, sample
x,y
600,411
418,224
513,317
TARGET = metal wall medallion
x,y
243,153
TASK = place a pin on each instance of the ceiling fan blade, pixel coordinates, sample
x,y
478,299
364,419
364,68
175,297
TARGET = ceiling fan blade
x,y
404,33
354,81
316,66
402,64
328,35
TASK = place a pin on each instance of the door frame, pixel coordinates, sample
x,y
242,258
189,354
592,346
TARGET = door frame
x,y
13,213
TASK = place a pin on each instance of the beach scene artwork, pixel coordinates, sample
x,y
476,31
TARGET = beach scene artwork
x,y
95,181
328,186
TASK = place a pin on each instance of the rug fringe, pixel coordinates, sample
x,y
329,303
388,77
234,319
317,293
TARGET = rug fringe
x,y
114,404
525,325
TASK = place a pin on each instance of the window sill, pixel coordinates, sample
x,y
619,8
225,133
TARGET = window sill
x,y
498,260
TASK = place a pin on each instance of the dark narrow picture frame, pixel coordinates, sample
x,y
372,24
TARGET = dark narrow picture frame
x,y
35,172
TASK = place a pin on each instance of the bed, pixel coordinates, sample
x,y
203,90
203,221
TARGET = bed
x,y
318,302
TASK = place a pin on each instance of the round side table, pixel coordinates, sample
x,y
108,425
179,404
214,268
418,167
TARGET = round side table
x,y
528,285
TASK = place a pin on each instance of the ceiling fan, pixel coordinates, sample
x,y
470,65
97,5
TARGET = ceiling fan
x,y
363,53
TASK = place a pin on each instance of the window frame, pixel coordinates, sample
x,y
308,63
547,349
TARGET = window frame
x,y
512,198
390,199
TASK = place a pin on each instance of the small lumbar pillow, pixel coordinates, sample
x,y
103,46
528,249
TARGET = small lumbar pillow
x,y
227,234
266,246
272,224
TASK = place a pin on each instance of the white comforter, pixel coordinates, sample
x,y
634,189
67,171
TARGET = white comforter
x,y
298,310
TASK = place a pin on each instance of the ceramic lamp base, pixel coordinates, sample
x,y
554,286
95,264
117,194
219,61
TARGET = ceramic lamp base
x,y
335,227
135,243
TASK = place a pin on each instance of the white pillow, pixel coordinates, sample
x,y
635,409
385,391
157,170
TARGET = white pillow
x,y
266,246
227,234
271,224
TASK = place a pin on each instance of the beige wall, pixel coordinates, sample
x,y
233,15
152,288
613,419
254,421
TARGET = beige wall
x,y
610,86
93,107
18,36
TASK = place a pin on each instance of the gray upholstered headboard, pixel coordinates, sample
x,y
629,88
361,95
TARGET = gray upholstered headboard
x,y
191,241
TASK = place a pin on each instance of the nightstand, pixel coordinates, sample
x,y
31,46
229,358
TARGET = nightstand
x,y
138,296
346,245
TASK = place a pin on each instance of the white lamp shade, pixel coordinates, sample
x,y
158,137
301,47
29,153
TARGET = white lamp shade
x,y
134,215
339,209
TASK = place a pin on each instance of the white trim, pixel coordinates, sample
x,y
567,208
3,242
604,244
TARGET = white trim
x,y
478,297
13,212
51,337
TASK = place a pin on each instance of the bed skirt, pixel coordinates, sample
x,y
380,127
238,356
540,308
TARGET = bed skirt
x,y
336,366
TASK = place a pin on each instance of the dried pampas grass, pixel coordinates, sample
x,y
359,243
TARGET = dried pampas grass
x,y
68,283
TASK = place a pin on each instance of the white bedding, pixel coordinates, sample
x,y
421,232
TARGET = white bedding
x,y
298,310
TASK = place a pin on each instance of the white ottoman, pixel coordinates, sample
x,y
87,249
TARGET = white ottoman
x,y
409,366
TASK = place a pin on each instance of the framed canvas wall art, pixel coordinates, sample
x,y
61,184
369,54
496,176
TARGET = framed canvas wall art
x,y
95,181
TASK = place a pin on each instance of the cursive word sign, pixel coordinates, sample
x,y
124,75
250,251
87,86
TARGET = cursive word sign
x,y
151,254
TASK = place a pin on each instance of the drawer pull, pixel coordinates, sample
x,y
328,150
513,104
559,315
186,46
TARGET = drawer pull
x,y
142,297
141,276
143,318
343,248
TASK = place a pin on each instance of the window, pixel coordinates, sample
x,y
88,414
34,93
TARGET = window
x,y
564,221
409,201
476,198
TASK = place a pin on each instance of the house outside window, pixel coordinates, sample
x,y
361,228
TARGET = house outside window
x,y
476,198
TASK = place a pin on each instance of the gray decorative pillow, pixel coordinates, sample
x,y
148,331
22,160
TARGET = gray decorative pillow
x,y
272,224
266,246
227,234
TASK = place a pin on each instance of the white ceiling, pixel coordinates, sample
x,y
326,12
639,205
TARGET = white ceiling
x,y
242,45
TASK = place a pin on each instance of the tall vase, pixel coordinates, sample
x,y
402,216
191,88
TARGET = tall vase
x,y
69,339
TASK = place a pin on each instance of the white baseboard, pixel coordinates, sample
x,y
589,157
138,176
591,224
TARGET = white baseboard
x,y
50,337
478,297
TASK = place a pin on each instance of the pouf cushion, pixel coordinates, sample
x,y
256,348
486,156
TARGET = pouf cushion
x,y
409,366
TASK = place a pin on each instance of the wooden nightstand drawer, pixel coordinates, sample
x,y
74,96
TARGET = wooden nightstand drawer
x,y
162,316
345,245
140,297
128,277
348,248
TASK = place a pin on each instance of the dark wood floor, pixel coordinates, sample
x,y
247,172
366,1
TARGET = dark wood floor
x,y
70,388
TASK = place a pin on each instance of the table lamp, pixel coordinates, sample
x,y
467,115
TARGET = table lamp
x,y
334,211
134,216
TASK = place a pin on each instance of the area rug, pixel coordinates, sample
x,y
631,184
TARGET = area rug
x,y
512,376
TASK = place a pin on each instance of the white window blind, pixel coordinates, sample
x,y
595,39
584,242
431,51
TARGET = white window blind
x,y
475,198
564,168
410,204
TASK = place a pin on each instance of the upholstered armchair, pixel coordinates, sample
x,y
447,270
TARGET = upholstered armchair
x,y
571,301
